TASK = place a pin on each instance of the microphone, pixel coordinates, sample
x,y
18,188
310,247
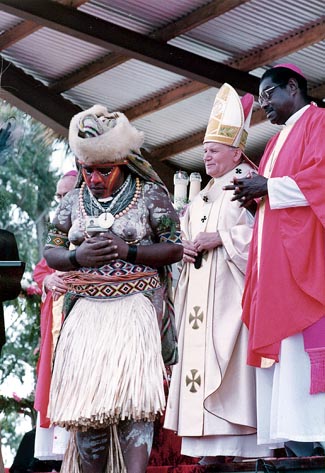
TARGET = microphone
x,y
198,260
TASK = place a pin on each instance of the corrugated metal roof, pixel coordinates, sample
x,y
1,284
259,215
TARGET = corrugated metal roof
x,y
191,160
198,47
125,85
311,61
7,21
140,14
177,121
254,24
50,55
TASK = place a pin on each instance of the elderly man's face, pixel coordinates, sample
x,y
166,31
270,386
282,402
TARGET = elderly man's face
x,y
219,158
65,185
102,180
276,100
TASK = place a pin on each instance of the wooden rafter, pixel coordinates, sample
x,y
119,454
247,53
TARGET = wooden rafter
x,y
318,92
310,34
164,152
159,102
170,149
88,71
25,28
176,28
284,46
16,33
196,18
34,98
101,33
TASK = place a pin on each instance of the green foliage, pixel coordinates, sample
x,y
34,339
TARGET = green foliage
x,y
27,187
27,182
11,407
10,436
22,334
166,224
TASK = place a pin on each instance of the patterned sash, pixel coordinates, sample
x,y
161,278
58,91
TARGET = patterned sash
x,y
118,279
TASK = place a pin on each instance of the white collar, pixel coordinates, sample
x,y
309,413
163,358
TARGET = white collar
x,y
295,117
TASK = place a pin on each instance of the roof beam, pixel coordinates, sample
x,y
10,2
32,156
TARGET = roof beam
x,y
318,92
310,34
34,98
31,96
96,31
16,33
258,116
165,171
293,41
159,102
89,71
25,28
164,152
166,33
195,18
196,139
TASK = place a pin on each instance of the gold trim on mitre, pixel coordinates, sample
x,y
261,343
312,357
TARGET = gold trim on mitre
x,y
110,141
227,123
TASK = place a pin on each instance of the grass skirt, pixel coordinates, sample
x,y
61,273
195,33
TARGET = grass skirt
x,y
108,364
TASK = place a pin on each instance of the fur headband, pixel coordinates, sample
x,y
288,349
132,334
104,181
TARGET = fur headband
x,y
97,136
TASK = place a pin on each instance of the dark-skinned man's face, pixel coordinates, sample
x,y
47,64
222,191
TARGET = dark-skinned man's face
x,y
276,100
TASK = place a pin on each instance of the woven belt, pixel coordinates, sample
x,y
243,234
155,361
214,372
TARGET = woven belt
x,y
119,289
118,280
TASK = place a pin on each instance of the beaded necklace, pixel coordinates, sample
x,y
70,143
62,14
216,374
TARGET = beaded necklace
x,y
105,213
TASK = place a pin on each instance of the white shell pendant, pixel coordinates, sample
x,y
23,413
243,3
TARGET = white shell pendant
x,y
106,220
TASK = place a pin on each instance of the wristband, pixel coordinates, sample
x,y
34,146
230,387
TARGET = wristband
x,y
132,253
73,259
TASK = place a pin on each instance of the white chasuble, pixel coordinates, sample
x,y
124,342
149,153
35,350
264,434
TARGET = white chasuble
x,y
212,389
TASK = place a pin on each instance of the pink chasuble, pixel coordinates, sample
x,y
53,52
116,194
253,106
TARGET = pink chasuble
x,y
288,295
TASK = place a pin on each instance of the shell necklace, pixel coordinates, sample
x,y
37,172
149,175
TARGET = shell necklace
x,y
119,205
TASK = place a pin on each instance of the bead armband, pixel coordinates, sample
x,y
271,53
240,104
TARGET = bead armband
x,y
73,259
132,253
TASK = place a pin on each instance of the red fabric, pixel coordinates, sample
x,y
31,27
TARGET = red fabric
x,y
177,469
44,363
166,448
289,294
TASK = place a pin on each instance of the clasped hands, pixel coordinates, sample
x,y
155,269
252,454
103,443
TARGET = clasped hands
x,y
248,188
101,249
204,241
54,282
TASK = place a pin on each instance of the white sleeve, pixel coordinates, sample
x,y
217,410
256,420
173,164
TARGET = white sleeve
x,y
283,192
250,219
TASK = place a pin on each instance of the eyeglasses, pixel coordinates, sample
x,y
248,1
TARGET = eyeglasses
x,y
266,95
